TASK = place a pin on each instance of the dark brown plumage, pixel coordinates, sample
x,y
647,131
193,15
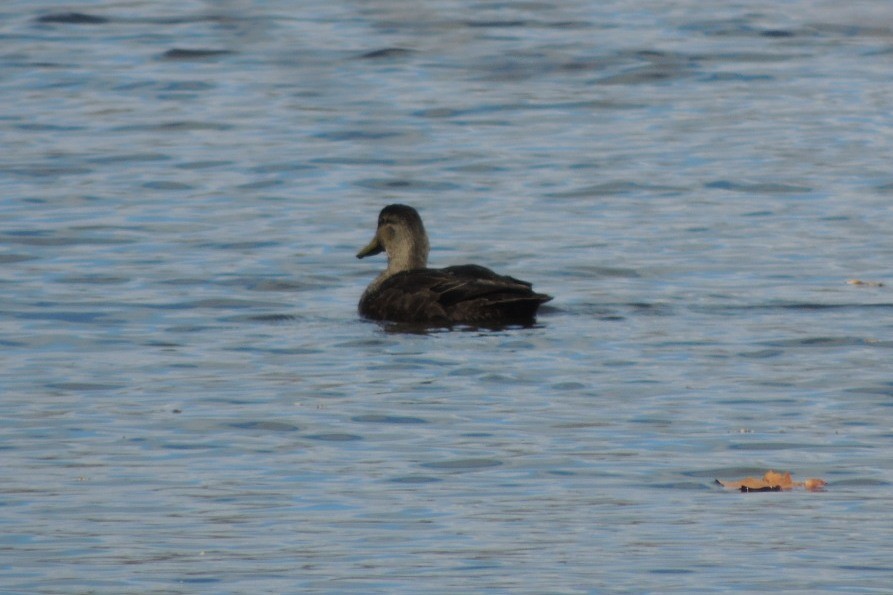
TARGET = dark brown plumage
x,y
408,291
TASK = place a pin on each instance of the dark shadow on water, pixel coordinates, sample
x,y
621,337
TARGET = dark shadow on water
x,y
265,318
72,18
415,479
416,328
264,426
193,54
385,53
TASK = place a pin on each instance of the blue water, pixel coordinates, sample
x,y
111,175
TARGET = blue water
x,y
190,402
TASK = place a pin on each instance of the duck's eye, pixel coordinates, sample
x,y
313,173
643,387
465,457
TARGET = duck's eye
x,y
388,232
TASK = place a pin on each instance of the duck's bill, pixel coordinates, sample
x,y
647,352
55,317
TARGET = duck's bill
x,y
372,248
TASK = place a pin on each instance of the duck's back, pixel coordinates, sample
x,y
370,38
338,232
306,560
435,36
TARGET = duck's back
x,y
469,294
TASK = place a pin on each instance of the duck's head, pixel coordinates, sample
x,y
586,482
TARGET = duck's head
x,y
401,234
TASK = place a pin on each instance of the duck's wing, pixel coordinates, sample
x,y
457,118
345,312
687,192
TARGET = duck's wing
x,y
476,271
470,282
476,295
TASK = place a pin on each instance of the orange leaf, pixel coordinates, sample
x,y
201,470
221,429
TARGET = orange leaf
x,y
814,484
772,481
783,480
751,483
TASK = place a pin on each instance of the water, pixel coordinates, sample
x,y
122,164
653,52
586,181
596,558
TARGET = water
x,y
191,404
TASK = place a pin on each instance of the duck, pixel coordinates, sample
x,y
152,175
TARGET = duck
x,y
407,291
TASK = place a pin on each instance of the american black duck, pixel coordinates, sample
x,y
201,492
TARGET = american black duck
x,y
407,291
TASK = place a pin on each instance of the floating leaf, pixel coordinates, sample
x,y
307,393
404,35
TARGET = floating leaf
x,y
773,481
814,484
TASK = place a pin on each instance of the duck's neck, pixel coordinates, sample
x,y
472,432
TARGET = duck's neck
x,y
404,254
407,253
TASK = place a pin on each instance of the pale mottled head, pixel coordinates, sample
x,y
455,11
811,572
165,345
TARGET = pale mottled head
x,y
402,235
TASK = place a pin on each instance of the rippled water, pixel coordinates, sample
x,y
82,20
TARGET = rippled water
x,y
190,402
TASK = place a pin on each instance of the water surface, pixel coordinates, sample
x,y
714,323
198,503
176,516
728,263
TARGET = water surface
x,y
191,404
